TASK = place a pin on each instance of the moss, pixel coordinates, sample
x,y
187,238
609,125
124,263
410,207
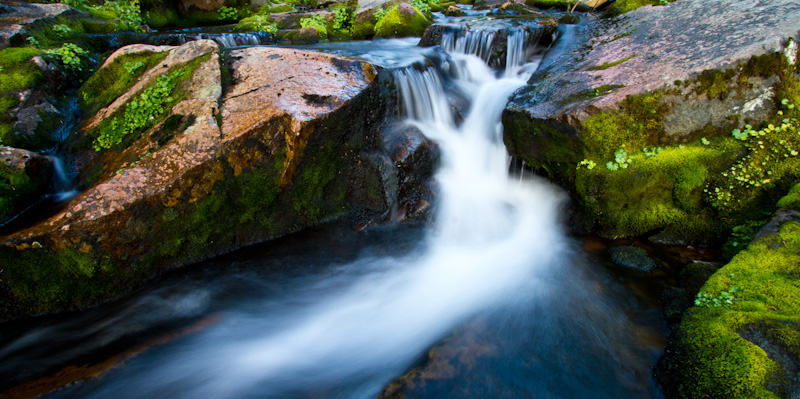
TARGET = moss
x,y
42,279
548,4
733,351
657,192
17,72
18,190
115,79
395,24
609,64
363,29
623,6
791,200
590,93
637,124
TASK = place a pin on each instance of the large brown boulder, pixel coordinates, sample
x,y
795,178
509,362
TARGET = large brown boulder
x,y
289,145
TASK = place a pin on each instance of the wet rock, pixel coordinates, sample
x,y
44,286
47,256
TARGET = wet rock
x,y
284,148
490,36
291,20
20,17
24,179
658,46
632,257
367,8
413,159
405,9
398,23
688,78
454,11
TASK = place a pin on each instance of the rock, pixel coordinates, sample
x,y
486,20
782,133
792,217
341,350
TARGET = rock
x,y
454,11
284,148
492,31
291,20
678,78
397,24
632,257
24,179
406,10
367,8
413,162
740,337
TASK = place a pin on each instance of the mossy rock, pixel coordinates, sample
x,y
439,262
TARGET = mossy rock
x,y
24,180
396,24
633,257
741,339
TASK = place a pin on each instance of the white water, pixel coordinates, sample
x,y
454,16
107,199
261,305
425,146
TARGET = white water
x,y
494,238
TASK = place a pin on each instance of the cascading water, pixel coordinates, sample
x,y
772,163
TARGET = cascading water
x,y
346,332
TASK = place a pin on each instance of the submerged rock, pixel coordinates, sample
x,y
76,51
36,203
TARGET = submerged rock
x,y
284,148
632,257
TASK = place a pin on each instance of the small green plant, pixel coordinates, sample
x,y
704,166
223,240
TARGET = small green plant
x,y
263,24
705,141
32,41
725,298
380,15
651,152
132,67
343,20
422,6
227,13
317,22
127,11
773,153
621,160
69,55
62,30
140,112
588,163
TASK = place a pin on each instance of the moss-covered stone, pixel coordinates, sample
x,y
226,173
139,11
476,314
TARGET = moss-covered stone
x,y
116,78
21,183
741,338
395,24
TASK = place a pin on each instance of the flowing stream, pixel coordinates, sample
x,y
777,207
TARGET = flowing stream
x,y
334,313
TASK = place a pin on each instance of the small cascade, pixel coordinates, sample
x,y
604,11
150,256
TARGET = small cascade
x,y
63,188
474,42
517,50
225,40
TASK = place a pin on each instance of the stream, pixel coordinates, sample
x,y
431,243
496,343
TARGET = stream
x,y
337,313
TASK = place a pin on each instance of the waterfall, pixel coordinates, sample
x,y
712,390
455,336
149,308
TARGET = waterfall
x,y
494,240
224,40
477,42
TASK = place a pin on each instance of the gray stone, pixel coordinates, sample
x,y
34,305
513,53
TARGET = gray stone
x,y
667,44
367,8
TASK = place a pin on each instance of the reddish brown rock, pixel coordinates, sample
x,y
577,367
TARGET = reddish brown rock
x,y
287,147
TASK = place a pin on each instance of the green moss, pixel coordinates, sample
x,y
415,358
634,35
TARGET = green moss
x,y
590,93
548,4
363,29
656,192
115,79
732,351
609,64
395,24
17,72
637,124
791,200
623,6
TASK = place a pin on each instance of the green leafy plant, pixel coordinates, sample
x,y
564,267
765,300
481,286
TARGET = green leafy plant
x,y
725,298
317,22
69,55
32,41
651,152
263,24
380,15
128,12
588,163
132,67
773,154
227,13
140,112
621,160
343,20
422,6
62,30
